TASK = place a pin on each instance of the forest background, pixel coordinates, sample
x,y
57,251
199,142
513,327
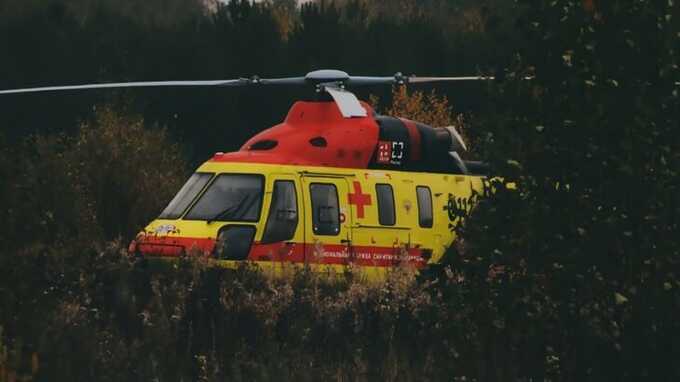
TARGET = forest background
x,y
573,275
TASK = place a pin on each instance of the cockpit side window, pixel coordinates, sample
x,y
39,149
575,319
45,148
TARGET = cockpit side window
x,y
283,216
230,197
186,194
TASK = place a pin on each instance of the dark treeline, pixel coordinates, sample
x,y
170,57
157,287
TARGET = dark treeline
x,y
63,42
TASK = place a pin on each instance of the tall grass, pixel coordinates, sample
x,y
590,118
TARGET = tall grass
x,y
100,315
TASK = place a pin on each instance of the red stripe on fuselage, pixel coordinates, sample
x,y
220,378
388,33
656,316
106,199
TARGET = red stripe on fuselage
x,y
173,246
290,252
414,136
364,255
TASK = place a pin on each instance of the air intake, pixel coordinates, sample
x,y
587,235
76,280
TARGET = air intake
x,y
266,144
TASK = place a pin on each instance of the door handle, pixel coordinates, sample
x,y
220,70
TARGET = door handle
x,y
346,241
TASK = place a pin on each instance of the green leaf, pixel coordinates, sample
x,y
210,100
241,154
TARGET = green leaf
x,y
620,299
514,163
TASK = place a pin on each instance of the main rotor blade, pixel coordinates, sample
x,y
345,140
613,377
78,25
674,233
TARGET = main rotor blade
x,y
418,80
400,79
279,81
365,80
129,85
319,76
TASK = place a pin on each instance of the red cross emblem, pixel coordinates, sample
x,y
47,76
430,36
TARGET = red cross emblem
x,y
359,199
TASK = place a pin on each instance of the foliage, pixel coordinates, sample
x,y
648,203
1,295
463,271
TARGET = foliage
x,y
430,109
127,170
193,321
106,181
583,263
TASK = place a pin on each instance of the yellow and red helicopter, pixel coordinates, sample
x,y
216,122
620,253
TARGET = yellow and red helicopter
x,y
333,185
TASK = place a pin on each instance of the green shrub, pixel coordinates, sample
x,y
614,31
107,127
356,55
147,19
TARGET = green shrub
x,y
127,171
575,274
105,182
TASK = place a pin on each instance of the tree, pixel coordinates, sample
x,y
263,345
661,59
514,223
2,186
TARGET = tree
x,y
583,242
430,109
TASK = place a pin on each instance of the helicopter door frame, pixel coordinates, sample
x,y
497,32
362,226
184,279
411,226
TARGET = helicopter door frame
x,y
291,249
326,248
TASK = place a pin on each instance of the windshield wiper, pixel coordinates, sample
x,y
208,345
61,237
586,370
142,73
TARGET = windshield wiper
x,y
249,203
229,210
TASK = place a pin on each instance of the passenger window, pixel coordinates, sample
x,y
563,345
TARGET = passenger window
x,y
424,206
283,217
325,210
386,215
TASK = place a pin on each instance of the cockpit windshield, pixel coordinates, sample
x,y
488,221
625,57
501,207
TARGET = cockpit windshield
x,y
185,195
231,197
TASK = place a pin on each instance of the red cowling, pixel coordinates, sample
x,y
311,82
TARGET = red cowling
x,y
313,134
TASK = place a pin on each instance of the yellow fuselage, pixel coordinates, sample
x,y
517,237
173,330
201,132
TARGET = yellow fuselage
x,y
330,218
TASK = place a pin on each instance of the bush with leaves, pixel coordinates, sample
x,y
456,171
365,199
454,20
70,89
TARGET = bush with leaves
x,y
112,320
127,170
64,197
105,182
430,109
579,267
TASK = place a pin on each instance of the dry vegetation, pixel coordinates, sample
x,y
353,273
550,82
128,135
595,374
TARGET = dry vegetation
x,y
431,109
105,182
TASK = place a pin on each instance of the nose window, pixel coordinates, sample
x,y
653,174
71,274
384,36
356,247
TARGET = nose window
x,y
181,201
230,197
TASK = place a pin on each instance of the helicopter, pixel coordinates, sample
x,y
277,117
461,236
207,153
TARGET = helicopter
x,y
334,185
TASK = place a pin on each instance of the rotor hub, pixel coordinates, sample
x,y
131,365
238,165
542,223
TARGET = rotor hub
x,y
326,76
